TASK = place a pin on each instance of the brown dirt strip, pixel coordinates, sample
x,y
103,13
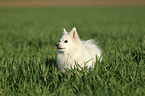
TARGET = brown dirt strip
x,y
69,3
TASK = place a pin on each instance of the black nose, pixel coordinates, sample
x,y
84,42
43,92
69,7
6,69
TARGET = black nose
x,y
56,44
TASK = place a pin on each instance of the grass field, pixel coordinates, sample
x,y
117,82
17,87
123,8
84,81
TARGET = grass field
x,y
28,54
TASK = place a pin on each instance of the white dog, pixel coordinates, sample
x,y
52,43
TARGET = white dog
x,y
71,50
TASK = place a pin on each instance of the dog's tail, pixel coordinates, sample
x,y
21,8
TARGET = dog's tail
x,y
93,49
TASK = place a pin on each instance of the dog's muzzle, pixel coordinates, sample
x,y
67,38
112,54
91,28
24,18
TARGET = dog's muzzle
x,y
58,46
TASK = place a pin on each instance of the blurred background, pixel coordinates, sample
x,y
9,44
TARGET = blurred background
x,y
32,3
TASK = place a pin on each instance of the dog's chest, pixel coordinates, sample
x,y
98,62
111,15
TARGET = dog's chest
x,y
64,60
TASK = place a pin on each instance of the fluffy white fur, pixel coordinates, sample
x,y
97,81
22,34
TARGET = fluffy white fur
x,y
71,50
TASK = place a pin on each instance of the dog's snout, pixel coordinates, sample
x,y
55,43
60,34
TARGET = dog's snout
x,y
57,44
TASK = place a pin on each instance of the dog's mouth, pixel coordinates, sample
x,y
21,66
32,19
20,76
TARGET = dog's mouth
x,y
60,48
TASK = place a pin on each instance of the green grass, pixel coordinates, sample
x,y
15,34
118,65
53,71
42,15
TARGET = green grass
x,y
28,53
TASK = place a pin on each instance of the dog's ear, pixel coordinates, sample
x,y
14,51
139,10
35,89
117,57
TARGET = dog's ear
x,y
64,32
74,33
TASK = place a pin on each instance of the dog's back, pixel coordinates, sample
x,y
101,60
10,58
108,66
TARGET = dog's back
x,y
93,49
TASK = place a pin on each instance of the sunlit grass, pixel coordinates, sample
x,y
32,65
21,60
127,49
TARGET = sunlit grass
x,y
28,53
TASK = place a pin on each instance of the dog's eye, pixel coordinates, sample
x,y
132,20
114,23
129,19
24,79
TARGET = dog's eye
x,y
65,41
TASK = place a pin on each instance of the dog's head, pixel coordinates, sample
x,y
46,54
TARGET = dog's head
x,y
68,41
